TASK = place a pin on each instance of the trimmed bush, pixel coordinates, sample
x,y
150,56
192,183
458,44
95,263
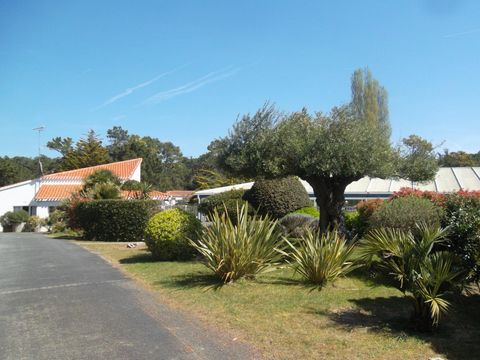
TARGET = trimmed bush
x,y
312,211
168,232
462,216
405,212
114,220
295,225
277,197
227,202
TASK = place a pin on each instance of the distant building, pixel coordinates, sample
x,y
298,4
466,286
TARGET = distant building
x,y
178,196
448,179
40,196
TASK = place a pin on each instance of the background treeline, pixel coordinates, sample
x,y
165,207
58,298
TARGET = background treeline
x,y
164,166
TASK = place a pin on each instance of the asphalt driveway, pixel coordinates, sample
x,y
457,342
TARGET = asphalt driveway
x,y
59,301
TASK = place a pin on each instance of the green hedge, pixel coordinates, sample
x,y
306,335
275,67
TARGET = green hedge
x,y
114,220
278,197
167,234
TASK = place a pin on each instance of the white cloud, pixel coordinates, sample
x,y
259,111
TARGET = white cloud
x,y
132,89
192,85
468,32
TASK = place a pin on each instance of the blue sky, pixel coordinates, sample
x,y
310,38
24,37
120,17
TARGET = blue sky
x,y
183,70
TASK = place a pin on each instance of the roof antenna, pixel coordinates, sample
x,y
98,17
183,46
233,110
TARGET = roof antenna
x,y
39,130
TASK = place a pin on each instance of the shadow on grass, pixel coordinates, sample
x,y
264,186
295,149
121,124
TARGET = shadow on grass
x,y
139,258
456,338
193,280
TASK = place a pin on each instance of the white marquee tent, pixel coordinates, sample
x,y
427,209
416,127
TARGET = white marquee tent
x,y
448,179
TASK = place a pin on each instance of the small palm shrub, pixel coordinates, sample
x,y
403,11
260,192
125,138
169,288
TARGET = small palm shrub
x,y
295,225
240,249
320,258
405,212
420,273
167,234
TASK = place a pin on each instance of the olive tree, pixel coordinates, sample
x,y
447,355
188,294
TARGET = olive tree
x,y
329,151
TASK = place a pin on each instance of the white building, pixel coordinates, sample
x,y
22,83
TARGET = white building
x,y
40,196
448,179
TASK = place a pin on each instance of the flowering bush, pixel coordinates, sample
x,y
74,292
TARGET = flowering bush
x,y
436,198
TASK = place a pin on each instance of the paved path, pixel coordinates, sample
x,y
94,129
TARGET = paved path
x,y
59,301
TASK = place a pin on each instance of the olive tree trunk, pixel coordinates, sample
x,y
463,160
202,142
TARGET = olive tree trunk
x,y
330,194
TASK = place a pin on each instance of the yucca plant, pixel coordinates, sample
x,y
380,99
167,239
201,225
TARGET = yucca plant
x,y
241,248
419,272
320,257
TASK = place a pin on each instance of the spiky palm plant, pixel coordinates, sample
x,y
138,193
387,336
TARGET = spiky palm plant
x,y
241,248
420,273
320,258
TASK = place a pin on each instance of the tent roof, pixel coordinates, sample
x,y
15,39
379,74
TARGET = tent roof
x,y
448,179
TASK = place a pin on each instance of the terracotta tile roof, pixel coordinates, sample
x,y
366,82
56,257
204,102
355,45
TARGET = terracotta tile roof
x,y
63,192
123,169
179,193
154,195
56,192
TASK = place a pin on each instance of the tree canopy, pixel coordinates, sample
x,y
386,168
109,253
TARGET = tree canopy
x,y
329,151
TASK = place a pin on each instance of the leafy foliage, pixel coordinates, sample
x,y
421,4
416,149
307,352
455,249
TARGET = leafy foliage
x,y
405,212
418,272
226,202
418,161
462,216
167,234
458,158
33,224
365,210
320,258
88,151
277,197
13,218
240,249
21,168
114,220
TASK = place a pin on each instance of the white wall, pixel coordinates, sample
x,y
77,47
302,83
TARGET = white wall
x,y
20,194
137,174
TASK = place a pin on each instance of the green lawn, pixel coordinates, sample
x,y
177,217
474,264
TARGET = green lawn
x,y
358,318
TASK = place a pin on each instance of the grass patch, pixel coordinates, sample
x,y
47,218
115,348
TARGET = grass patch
x,y
358,318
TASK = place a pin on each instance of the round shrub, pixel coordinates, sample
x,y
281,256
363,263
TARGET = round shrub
x,y
405,212
229,201
168,232
277,197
